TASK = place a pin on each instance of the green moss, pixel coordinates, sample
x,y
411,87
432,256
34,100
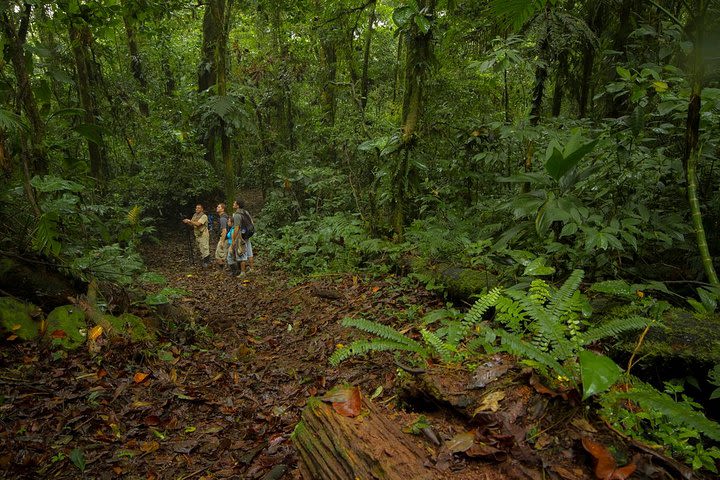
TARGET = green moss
x,y
16,318
463,283
130,325
684,334
70,320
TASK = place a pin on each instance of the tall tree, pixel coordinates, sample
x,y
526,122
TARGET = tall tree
x,y
81,43
136,64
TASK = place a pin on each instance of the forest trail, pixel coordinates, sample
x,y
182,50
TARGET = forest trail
x,y
220,392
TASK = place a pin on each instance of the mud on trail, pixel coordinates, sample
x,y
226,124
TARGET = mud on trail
x,y
220,392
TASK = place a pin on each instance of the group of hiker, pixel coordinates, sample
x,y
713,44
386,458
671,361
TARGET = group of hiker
x,y
234,248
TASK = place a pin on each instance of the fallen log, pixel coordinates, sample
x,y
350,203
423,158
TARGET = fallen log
x,y
369,446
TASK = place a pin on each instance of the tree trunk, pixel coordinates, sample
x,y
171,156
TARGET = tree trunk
x,y
80,40
15,44
335,447
692,135
222,14
328,56
207,71
364,78
541,72
587,68
135,62
560,76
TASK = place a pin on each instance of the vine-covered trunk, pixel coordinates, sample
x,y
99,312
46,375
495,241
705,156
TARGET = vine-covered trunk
x,y
560,76
36,156
692,135
364,78
80,40
136,66
222,15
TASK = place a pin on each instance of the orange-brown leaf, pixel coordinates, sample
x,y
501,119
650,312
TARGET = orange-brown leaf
x,y
624,472
140,376
605,465
58,334
101,373
347,401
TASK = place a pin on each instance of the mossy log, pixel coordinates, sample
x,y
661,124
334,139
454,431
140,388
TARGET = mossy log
x,y
35,282
369,446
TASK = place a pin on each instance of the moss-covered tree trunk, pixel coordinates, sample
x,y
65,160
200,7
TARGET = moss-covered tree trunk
x,y
80,42
136,66
207,70
692,134
222,12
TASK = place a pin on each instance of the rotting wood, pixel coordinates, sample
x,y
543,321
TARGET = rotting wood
x,y
369,446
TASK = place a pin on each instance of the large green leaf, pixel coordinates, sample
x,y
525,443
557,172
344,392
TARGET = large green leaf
x,y
558,162
597,372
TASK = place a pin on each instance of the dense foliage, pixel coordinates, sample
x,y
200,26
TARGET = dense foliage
x,y
521,139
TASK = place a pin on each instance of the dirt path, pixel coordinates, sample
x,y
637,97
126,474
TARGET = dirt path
x,y
221,390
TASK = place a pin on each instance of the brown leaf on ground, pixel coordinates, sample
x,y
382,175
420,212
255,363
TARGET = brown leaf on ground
x,y
605,466
346,401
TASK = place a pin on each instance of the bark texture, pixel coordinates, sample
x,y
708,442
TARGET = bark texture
x,y
369,446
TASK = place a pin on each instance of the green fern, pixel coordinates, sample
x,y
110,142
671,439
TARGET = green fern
x,y
481,306
516,345
561,301
133,216
447,353
382,331
613,328
679,414
360,347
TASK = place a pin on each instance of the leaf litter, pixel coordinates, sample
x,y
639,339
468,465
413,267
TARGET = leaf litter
x,y
220,392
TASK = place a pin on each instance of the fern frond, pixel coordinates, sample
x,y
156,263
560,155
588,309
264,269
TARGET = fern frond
x,y
510,312
383,331
614,327
453,331
679,414
481,306
445,351
562,300
133,216
515,345
360,347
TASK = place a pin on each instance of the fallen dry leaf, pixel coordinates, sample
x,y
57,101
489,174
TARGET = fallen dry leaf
x,y
461,442
490,402
139,377
346,401
58,334
606,467
95,332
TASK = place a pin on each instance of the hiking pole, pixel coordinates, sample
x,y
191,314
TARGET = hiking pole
x,y
188,236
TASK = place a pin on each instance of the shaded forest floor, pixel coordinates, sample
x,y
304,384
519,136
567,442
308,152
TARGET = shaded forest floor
x,y
220,392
